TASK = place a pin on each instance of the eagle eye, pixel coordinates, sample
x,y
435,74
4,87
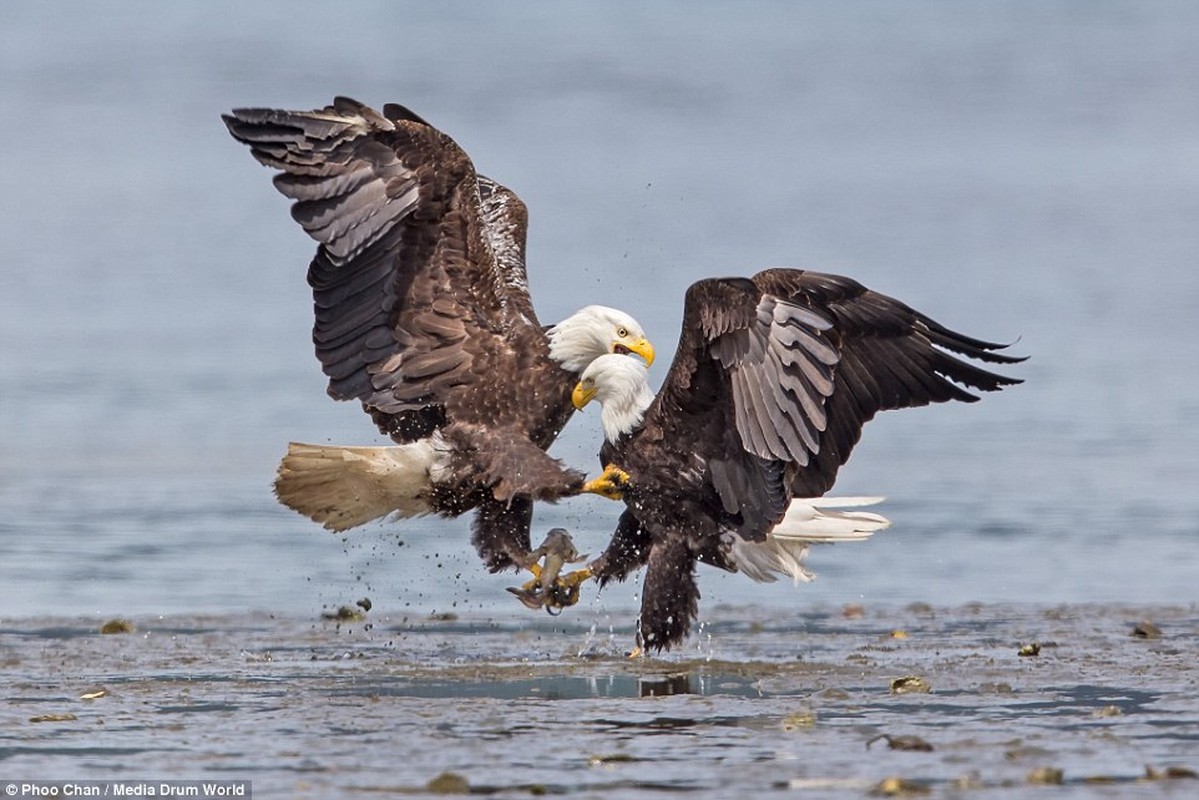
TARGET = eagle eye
x,y
622,332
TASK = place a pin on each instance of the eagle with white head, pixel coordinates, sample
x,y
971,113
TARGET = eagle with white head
x,y
772,381
423,315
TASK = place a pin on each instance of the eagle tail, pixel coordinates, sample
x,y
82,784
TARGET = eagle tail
x,y
344,487
817,519
807,521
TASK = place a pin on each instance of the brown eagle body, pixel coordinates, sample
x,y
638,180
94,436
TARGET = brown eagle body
x,y
771,384
423,315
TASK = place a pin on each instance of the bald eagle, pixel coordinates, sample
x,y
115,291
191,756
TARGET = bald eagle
x,y
423,315
771,384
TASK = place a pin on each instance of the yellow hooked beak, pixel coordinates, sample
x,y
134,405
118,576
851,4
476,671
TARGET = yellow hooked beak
x,y
582,395
641,347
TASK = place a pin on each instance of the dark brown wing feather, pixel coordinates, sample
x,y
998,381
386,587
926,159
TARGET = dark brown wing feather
x,y
775,376
891,357
419,280
745,396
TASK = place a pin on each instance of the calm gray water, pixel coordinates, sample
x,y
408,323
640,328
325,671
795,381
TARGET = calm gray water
x,y
1018,170
302,709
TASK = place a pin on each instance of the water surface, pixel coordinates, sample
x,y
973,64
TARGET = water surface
x,y
303,708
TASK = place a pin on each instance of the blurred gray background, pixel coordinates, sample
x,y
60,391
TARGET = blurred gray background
x,y
1019,171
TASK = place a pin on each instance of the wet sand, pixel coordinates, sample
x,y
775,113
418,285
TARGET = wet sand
x,y
1085,701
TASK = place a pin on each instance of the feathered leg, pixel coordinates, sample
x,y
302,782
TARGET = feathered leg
x,y
669,597
500,533
628,550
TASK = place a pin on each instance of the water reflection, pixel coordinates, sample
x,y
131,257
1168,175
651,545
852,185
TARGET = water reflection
x,y
664,685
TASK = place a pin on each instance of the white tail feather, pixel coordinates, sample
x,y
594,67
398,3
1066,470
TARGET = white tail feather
x,y
811,520
343,487
807,521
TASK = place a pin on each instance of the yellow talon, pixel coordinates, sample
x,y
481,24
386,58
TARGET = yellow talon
x,y
548,589
565,590
561,593
610,484
573,579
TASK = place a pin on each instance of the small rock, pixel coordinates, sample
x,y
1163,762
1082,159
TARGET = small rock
x,y
449,783
1146,630
117,626
896,786
1046,776
344,614
910,684
1029,650
910,743
1169,773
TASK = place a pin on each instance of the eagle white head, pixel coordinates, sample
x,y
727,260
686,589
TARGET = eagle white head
x,y
594,331
621,385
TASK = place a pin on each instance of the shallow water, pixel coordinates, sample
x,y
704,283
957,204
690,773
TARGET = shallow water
x,y
305,708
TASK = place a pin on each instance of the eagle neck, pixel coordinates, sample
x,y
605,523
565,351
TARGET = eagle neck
x,y
621,416
572,346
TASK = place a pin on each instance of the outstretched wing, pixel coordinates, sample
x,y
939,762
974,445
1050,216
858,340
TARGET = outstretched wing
x,y
776,375
419,278
890,357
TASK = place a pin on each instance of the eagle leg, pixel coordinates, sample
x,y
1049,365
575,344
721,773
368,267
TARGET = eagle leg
x,y
611,484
